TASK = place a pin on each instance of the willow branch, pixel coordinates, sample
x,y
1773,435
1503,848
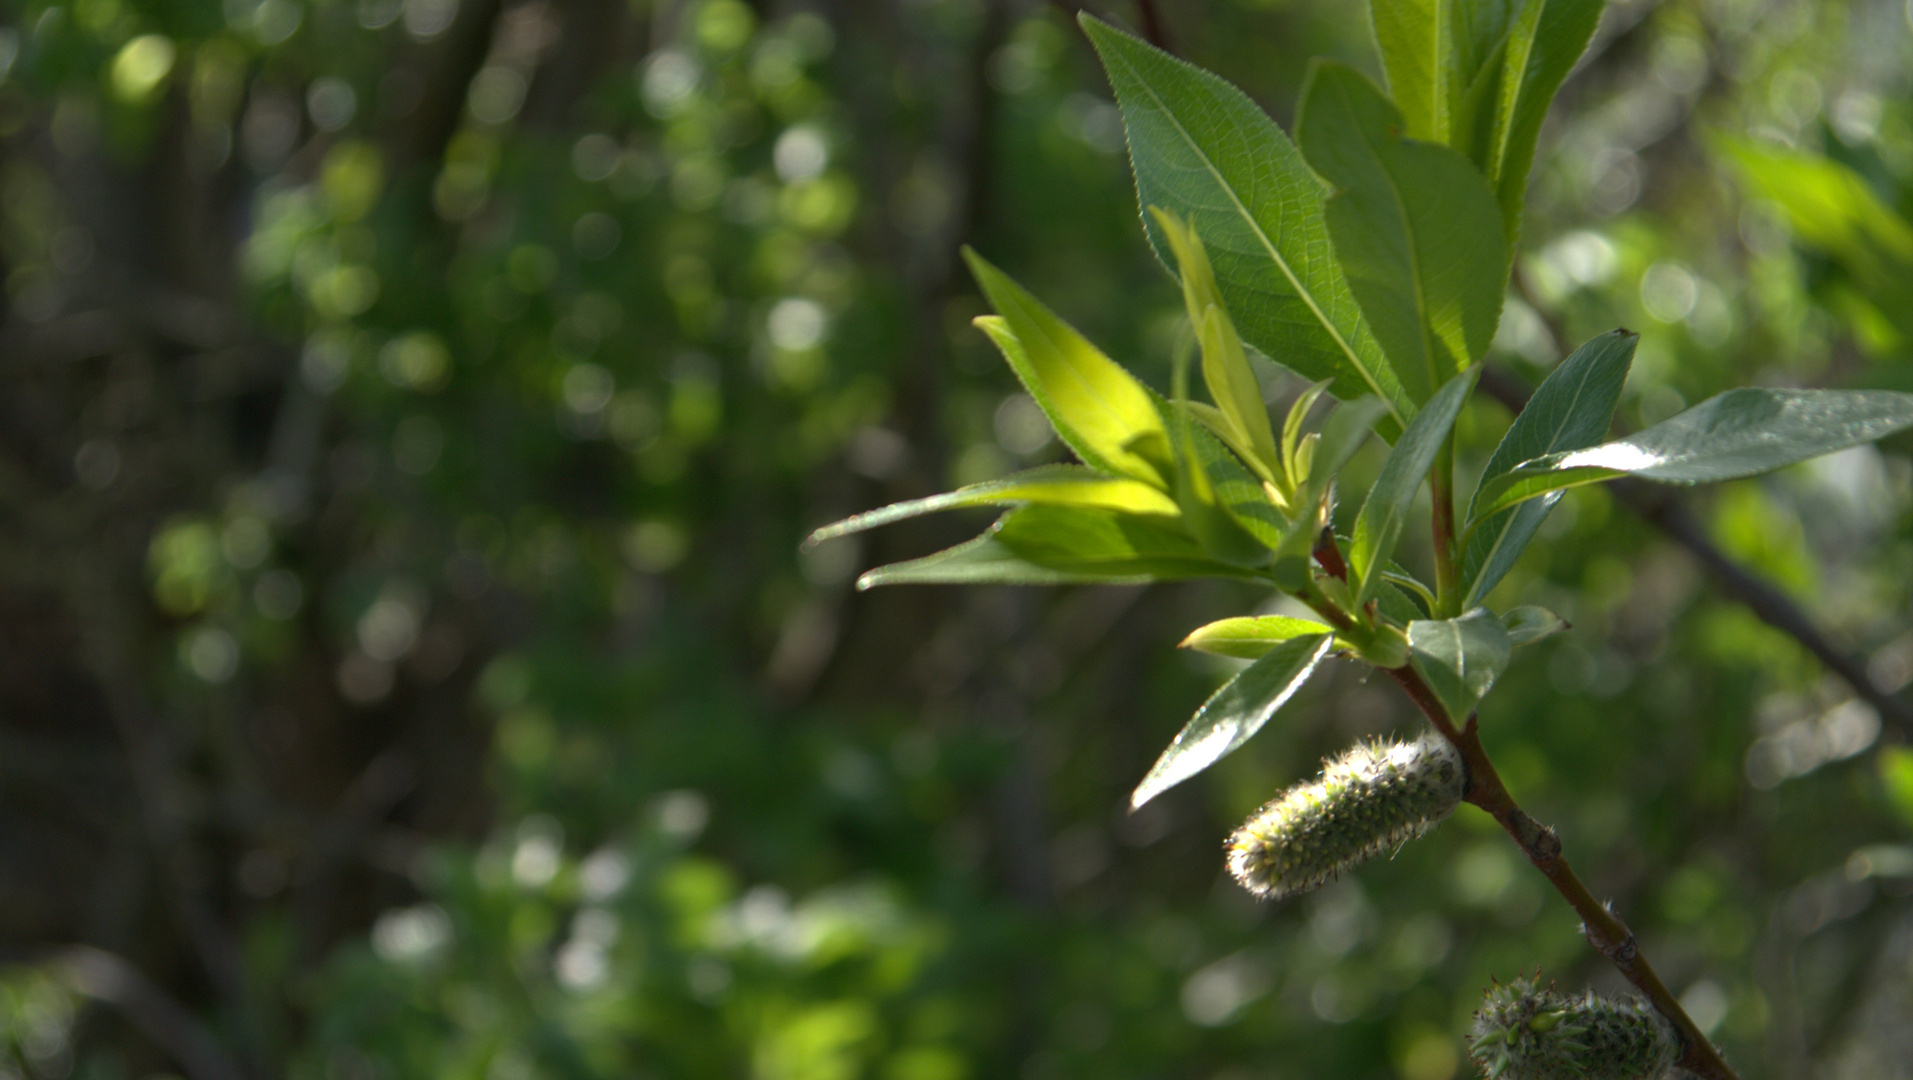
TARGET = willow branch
x,y
1604,929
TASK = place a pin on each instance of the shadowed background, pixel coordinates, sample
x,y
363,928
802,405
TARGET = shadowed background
x,y
410,411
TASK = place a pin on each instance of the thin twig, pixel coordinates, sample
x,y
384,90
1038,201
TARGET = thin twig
x,y
110,978
1152,27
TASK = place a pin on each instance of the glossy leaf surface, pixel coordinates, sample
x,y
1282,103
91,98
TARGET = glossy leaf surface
x,y
1740,433
1099,410
1571,409
1234,714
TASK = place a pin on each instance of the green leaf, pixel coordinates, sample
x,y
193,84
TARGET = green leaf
x,y
1055,485
1832,209
1201,466
1739,433
1459,658
1099,410
1416,56
1530,623
1248,637
1225,365
1545,38
1060,545
1343,434
1379,525
1896,775
1415,227
1204,151
1433,51
1234,713
1572,409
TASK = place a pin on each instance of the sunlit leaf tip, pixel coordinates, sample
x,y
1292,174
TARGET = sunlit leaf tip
x,y
1234,713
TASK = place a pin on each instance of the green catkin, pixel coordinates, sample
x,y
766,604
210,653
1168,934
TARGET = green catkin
x,y
1523,1032
1367,801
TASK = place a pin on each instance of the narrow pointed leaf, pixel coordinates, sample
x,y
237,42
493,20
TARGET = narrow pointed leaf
x,y
1231,486
1218,425
1204,151
1432,52
1225,369
1739,433
1225,365
1544,41
1530,623
1459,658
1058,545
1414,40
1343,434
1248,637
1234,713
1298,415
1099,410
1572,409
1415,227
1055,485
1833,210
1379,525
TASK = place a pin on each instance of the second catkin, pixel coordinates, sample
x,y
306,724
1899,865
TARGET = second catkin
x,y
1525,1032
1373,798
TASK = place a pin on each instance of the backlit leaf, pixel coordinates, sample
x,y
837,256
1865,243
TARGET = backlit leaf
x,y
1059,545
1056,485
1248,637
1572,409
1098,409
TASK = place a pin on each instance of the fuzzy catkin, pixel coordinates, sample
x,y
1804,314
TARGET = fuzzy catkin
x,y
1523,1032
1371,799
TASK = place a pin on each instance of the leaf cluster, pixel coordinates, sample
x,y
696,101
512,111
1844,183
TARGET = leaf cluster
x,y
1370,254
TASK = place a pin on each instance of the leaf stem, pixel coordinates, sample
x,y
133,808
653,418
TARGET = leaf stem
x,y
1441,482
1604,929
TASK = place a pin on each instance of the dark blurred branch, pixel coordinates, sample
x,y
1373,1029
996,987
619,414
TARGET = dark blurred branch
x,y
1664,509
109,978
593,33
467,44
1152,27
114,654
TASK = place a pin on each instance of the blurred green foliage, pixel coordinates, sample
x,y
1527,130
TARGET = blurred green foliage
x,y
412,411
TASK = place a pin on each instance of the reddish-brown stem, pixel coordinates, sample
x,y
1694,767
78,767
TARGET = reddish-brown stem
x,y
1330,556
1605,930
